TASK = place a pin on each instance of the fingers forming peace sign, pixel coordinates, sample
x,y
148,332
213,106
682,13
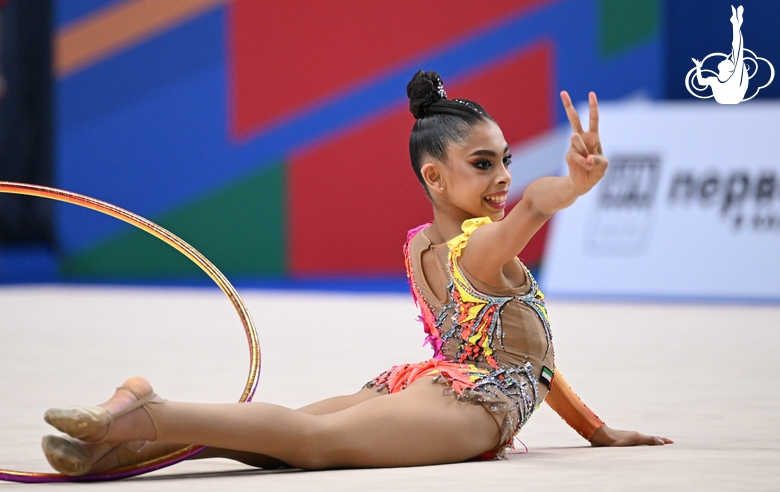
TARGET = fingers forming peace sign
x,y
586,162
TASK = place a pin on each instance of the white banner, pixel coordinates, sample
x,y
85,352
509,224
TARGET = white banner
x,y
689,207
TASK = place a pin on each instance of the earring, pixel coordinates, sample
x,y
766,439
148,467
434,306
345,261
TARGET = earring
x,y
441,188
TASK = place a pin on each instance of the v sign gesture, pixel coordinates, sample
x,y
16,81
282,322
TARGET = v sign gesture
x,y
586,162
496,245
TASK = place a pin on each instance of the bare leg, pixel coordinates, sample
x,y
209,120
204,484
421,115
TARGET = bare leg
x,y
329,405
417,426
339,403
155,449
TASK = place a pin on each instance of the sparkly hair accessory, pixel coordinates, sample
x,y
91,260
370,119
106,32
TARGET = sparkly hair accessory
x,y
197,258
427,96
440,90
470,105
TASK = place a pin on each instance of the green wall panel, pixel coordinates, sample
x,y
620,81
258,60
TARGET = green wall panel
x,y
625,23
241,228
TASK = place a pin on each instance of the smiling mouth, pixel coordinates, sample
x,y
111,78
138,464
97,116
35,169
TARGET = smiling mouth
x,y
496,201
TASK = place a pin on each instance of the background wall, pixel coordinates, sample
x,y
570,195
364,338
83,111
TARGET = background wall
x,y
274,137
26,224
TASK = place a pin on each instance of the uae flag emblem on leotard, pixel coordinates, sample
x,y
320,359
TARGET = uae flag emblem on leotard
x,y
547,376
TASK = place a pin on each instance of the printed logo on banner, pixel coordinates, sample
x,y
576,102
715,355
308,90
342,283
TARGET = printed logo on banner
x,y
729,85
688,193
621,222
749,202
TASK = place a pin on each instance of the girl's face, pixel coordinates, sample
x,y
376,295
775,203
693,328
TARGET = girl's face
x,y
476,178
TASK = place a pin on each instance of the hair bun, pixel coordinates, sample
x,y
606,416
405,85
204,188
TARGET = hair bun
x,y
423,90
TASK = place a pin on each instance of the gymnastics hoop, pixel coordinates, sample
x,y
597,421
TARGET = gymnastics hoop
x,y
196,257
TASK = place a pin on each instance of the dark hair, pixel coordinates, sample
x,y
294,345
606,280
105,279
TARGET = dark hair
x,y
439,120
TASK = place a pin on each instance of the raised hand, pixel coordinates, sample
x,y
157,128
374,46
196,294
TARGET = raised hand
x,y
586,162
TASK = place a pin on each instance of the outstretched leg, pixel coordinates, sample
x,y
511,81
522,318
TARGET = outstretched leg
x,y
322,407
417,426
104,459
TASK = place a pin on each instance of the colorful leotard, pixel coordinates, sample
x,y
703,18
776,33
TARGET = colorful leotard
x,y
490,344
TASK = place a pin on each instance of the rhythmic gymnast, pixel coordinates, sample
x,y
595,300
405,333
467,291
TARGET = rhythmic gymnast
x,y
493,361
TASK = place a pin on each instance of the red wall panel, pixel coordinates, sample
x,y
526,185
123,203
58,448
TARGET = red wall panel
x,y
286,55
352,198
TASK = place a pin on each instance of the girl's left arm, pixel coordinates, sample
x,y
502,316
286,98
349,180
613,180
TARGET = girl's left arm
x,y
574,412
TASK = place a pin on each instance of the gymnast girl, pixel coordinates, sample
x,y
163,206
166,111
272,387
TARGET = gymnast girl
x,y
482,311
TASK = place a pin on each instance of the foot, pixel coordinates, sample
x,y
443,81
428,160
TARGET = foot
x,y
109,421
76,458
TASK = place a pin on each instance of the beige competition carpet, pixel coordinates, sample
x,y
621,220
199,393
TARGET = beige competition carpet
x,y
707,376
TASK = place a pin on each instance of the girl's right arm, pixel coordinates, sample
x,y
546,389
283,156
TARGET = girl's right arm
x,y
494,245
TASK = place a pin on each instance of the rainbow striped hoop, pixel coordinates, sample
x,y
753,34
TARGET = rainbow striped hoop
x,y
197,258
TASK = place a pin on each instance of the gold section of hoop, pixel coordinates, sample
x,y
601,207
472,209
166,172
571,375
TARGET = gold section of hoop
x,y
196,257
